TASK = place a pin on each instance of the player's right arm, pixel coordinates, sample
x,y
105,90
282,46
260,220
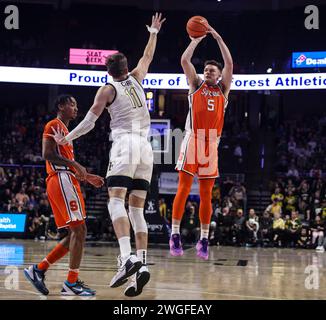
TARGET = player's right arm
x,y
188,68
49,153
142,67
105,95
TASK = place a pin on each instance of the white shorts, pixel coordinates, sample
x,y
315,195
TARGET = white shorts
x,y
131,162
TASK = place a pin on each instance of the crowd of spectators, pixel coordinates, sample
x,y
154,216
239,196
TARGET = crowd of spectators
x,y
303,200
296,216
301,146
23,127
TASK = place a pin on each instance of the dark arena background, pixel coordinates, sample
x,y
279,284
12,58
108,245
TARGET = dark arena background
x,y
267,231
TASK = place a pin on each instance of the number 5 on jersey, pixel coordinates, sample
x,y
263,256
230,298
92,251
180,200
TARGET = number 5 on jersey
x,y
211,105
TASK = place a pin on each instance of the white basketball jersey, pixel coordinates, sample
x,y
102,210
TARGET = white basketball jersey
x,y
128,111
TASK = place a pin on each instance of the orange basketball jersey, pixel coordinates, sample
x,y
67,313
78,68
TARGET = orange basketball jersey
x,y
198,153
62,187
65,151
206,111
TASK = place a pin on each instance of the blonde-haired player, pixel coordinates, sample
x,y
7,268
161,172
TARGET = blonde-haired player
x,y
131,158
199,154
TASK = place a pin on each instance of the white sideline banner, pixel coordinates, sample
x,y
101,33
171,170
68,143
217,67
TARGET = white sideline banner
x,y
286,81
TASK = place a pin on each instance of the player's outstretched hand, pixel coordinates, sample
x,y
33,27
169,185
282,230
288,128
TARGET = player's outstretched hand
x,y
214,33
157,21
58,136
95,180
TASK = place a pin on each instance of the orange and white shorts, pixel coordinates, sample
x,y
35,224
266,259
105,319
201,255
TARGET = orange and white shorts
x,y
199,156
66,199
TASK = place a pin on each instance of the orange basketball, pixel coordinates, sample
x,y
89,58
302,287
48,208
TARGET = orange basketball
x,y
197,26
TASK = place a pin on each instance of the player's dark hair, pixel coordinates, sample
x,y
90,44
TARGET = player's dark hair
x,y
116,64
214,63
62,99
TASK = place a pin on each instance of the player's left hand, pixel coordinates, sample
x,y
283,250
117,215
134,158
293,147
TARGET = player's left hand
x,y
94,180
157,21
214,33
81,171
58,136
197,40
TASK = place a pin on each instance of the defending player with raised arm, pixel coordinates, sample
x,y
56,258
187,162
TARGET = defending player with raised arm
x,y
199,149
131,157
117,66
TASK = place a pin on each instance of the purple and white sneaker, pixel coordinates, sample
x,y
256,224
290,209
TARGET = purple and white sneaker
x,y
202,249
175,245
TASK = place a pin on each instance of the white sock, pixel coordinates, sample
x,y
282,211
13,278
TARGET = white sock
x,y
175,229
125,247
142,255
204,234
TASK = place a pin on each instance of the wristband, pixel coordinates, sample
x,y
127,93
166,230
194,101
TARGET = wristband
x,y
152,30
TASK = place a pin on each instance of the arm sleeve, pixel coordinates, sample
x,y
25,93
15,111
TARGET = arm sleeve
x,y
86,125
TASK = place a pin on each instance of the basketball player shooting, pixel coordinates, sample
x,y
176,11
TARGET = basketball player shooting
x,y
131,158
199,149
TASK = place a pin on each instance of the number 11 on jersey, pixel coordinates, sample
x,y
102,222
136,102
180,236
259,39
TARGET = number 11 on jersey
x,y
133,96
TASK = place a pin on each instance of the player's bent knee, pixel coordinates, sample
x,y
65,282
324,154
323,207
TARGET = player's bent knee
x,y
139,194
78,229
185,188
116,207
137,219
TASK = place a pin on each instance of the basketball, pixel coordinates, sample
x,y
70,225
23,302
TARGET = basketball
x,y
197,26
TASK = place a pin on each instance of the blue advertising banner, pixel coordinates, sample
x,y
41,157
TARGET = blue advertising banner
x,y
12,222
313,59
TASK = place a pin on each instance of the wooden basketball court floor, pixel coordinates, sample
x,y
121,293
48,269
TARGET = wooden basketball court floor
x,y
230,273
